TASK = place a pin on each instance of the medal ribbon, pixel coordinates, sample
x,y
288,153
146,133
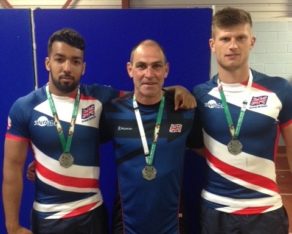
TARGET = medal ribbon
x,y
149,157
234,132
66,145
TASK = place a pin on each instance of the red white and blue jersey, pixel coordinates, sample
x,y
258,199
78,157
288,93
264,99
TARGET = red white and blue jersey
x,y
244,183
62,192
148,206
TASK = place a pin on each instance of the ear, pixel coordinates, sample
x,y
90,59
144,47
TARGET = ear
x,y
130,69
253,40
166,70
211,44
47,63
84,67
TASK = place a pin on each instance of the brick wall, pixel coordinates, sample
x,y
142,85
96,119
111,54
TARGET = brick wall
x,y
273,50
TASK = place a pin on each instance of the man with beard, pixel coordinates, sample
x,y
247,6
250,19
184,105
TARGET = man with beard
x,y
54,121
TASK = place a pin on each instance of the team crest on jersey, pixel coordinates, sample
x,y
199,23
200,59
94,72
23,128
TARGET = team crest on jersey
x,y
175,128
213,104
88,113
43,121
260,101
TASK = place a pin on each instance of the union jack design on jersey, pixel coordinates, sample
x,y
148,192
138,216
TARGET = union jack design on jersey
x,y
245,183
62,192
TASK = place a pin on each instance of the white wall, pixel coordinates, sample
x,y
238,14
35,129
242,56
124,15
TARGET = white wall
x,y
273,51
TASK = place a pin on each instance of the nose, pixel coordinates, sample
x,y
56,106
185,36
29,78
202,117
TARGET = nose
x,y
233,44
149,71
67,66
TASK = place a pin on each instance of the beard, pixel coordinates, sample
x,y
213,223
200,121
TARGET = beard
x,y
65,86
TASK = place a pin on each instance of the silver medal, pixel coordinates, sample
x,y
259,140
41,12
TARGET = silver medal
x,y
149,172
234,147
66,160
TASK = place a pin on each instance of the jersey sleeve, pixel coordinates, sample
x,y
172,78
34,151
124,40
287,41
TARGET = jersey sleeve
x,y
285,116
18,120
105,93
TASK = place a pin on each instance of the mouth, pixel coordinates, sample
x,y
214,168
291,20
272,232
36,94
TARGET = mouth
x,y
149,83
66,78
232,56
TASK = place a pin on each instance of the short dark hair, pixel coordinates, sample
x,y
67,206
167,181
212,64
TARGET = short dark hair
x,y
68,36
148,42
230,16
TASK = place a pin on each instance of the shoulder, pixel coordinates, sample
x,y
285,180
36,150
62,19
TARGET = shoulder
x,y
203,88
103,93
270,83
169,106
31,100
119,103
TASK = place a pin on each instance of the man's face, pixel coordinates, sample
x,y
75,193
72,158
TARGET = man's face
x,y
148,70
232,46
66,66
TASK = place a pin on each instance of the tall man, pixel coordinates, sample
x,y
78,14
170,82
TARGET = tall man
x,y
242,112
61,123
149,139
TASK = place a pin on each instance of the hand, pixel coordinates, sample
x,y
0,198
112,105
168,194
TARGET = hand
x,y
183,99
30,173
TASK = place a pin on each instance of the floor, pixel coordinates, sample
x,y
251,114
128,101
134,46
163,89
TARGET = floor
x,y
284,178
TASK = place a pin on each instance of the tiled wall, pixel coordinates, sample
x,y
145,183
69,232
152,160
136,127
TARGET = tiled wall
x,y
273,51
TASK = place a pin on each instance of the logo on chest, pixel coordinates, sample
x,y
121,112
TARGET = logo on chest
x,y
43,121
88,113
175,128
212,104
258,102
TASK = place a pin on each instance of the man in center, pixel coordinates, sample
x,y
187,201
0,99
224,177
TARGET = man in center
x,y
149,138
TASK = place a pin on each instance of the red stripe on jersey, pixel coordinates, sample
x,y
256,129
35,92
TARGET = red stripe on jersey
x,y
66,180
243,175
251,210
80,210
84,97
260,87
16,138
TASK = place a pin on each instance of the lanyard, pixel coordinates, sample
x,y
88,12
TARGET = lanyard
x,y
234,132
66,145
149,157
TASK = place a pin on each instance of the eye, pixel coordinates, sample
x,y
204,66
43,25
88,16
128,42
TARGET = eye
x,y
157,66
59,59
225,39
141,66
241,38
77,62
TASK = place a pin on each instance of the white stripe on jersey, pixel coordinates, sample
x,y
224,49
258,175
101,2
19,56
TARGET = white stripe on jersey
x,y
248,162
64,107
239,204
78,171
65,208
236,96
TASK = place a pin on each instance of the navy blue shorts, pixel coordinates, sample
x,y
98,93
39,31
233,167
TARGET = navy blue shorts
x,y
93,222
216,222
